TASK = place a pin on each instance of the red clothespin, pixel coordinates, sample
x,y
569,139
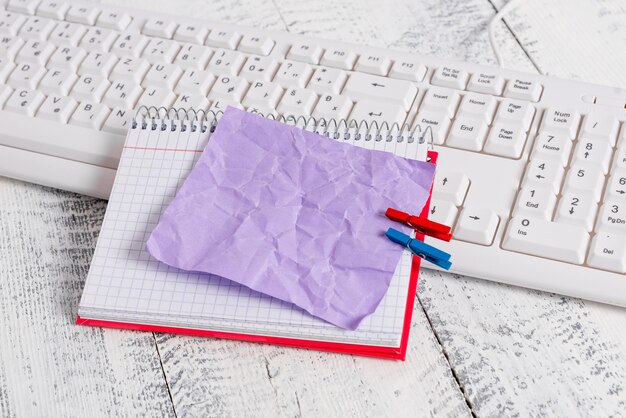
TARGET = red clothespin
x,y
420,225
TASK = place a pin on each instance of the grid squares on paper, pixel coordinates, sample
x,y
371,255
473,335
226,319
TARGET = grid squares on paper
x,y
126,284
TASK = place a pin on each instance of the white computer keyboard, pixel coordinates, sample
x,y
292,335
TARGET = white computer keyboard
x,y
532,169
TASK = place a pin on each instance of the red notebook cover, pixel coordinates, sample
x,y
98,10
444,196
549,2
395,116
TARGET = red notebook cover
x,y
395,353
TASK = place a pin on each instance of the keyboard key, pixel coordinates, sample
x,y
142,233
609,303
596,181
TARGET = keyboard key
x,y
584,178
223,39
191,101
297,102
90,88
118,121
297,74
619,161
476,225
546,239
544,173
98,63
9,46
57,108
608,252
191,33
442,212
600,126
450,186
129,44
378,112
565,120
10,22
193,56
160,50
165,75
324,80
162,28
157,97
332,106
485,82
82,14
517,111
122,93
523,90
24,101
226,62
339,58
53,9
259,68
229,88
373,64
535,202
6,67
220,105
438,122
36,28
506,139
556,146
255,44
35,52
26,75
595,152
98,39
452,77
478,105
468,133
612,217
68,58
195,82
577,208
263,93
114,20
23,6
442,99
305,52
58,82
380,88
90,115
131,69
67,34
408,69
616,187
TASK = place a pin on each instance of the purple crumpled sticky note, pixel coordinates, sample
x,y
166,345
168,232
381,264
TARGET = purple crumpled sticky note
x,y
292,214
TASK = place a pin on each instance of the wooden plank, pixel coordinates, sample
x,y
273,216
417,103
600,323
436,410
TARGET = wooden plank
x,y
48,365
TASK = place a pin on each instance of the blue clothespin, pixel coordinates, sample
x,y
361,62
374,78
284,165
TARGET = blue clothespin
x,y
420,249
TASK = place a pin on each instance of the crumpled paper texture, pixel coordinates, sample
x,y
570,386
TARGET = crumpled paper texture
x,y
292,214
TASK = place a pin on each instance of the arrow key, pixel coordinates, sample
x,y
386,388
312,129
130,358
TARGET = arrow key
x,y
577,208
442,212
476,225
616,190
547,173
450,186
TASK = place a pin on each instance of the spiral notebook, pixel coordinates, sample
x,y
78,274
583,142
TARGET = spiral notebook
x,y
127,288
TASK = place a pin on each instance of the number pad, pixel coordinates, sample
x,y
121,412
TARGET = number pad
x,y
546,173
577,208
536,202
616,188
586,179
612,217
593,151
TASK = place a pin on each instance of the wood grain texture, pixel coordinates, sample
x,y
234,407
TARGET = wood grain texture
x,y
48,365
503,351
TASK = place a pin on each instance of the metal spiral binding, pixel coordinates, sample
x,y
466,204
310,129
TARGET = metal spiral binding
x,y
148,117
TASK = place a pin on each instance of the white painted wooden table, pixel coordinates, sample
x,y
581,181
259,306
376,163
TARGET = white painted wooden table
x,y
476,347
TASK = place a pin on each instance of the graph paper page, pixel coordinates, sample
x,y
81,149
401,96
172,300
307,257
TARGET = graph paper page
x,y
125,284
